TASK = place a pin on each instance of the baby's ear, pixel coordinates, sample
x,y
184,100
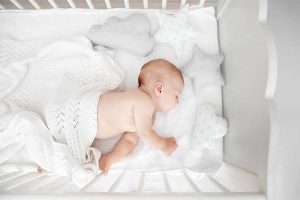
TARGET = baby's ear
x,y
158,88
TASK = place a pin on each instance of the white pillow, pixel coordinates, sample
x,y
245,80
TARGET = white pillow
x,y
106,50
165,51
176,31
131,64
204,69
132,33
205,20
208,128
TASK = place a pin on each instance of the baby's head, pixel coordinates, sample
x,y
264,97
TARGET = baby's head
x,y
163,82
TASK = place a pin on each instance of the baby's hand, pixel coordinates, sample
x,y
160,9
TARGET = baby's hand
x,y
169,145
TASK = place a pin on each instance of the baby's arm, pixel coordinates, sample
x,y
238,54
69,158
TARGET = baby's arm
x,y
143,116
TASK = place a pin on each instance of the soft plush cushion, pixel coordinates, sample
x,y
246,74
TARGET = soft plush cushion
x,y
132,33
204,69
176,31
208,128
105,50
165,51
131,64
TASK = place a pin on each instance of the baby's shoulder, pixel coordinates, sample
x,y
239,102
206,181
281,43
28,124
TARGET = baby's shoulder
x,y
142,99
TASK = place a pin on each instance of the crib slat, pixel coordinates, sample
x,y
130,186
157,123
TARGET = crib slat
x,y
17,4
129,183
67,187
10,176
71,3
3,173
71,188
164,4
191,182
13,183
108,4
223,9
35,4
90,4
182,3
102,182
142,182
35,184
2,7
204,183
126,3
55,184
91,183
219,185
154,183
53,4
178,182
117,182
167,185
145,3
202,2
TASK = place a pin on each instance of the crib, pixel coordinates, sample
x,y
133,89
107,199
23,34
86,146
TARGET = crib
x,y
250,147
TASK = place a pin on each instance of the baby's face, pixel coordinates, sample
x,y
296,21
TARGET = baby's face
x,y
170,95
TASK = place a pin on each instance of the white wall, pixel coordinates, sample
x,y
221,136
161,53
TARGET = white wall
x,y
284,163
243,41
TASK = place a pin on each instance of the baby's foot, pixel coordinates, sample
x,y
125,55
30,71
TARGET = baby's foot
x,y
40,169
104,164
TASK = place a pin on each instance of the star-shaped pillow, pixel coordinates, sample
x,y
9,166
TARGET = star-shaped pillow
x,y
204,69
176,32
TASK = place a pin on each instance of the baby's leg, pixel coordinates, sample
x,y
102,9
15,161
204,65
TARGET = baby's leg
x,y
122,148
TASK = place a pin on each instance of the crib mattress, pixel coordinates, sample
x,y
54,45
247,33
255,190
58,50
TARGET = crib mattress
x,y
54,24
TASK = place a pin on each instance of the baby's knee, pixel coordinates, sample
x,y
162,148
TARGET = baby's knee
x,y
131,137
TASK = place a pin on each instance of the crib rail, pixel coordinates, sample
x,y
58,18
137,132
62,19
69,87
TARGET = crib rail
x,y
101,4
117,182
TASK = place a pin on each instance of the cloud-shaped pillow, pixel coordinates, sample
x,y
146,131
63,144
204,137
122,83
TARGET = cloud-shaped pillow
x,y
132,33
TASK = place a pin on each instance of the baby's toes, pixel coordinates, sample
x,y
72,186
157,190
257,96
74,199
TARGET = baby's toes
x,y
105,172
40,169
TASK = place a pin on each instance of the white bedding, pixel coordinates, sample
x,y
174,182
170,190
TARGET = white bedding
x,y
54,24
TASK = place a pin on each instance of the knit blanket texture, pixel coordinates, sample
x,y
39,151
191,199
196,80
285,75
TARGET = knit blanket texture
x,y
50,75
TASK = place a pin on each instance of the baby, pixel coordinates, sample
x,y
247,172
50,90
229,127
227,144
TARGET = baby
x,y
131,112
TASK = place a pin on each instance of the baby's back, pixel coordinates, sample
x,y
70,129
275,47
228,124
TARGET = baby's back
x,y
115,112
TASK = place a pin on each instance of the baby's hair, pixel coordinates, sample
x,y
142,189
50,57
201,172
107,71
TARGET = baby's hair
x,y
155,68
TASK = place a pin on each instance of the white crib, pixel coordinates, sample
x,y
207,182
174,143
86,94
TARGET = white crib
x,y
251,148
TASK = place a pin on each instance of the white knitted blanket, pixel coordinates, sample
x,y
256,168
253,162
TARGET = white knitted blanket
x,y
57,75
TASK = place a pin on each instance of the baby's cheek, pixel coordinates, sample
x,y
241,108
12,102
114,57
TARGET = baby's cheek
x,y
175,100
172,103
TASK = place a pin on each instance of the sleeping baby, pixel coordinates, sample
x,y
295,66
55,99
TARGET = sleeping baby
x,y
131,112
